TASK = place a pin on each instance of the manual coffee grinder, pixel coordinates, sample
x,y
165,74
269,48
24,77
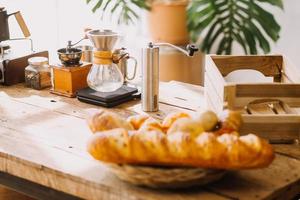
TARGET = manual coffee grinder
x,y
70,75
105,79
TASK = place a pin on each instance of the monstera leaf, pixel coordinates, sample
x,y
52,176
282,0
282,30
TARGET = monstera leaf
x,y
227,21
125,9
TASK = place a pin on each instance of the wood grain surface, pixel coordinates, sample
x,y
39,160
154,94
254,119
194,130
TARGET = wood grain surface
x,y
43,138
268,65
8,194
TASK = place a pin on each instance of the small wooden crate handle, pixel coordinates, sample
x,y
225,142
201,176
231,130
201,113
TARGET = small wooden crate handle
x,y
284,108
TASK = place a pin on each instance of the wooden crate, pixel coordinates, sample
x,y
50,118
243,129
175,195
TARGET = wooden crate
x,y
278,127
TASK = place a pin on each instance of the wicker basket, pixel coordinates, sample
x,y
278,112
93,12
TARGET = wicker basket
x,y
165,177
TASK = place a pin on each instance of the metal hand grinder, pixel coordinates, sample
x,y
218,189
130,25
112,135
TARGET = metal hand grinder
x,y
150,73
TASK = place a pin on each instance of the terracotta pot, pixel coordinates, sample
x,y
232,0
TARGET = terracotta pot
x,y
174,65
168,22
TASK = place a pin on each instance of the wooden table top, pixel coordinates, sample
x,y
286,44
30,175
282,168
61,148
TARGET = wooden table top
x,y
43,139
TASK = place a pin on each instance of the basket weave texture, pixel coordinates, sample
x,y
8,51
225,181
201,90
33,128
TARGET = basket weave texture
x,y
165,177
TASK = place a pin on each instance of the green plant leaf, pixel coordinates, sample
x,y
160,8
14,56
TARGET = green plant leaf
x,y
141,4
277,3
245,22
241,41
250,40
97,6
263,43
114,8
124,9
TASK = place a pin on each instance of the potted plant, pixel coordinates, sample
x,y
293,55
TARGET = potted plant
x,y
167,19
216,26
245,22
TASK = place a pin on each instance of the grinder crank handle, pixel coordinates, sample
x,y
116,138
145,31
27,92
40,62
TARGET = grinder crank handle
x,y
191,49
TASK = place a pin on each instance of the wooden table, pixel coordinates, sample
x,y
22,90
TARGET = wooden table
x,y
43,153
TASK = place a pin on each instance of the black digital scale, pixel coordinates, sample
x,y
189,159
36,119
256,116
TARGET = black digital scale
x,y
108,99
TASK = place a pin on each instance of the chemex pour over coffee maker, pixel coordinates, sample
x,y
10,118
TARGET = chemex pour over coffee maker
x,y
105,79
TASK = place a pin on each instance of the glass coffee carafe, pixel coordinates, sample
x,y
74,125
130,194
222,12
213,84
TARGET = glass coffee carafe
x,y
104,76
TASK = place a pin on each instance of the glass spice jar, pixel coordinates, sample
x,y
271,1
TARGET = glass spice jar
x,y
38,73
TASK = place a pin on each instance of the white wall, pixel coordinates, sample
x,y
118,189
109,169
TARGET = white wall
x,y
289,20
53,22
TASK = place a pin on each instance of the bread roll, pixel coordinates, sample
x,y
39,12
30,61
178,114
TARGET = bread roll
x,y
137,120
171,118
151,124
180,149
208,119
186,125
105,120
230,121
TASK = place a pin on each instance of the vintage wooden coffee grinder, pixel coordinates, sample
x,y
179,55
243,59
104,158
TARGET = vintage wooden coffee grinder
x,y
70,75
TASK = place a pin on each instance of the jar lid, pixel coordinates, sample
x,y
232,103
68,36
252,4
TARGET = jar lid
x,y
36,61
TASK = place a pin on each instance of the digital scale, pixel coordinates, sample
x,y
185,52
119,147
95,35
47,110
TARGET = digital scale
x,y
108,99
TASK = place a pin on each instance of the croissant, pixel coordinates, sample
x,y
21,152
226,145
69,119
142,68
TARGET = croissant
x,y
171,118
180,149
230,121
208,119
137,120
151,124
186,125
105,120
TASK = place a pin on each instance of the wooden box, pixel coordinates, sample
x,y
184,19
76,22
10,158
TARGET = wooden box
x,y
68,80
283,127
